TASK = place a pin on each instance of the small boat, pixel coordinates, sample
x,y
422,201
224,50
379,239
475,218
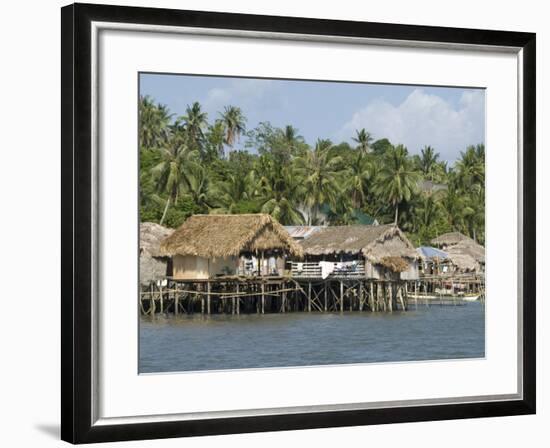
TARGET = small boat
x,y
437,299
446,297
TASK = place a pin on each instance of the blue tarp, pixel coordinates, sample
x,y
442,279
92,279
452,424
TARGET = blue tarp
x,y
431,252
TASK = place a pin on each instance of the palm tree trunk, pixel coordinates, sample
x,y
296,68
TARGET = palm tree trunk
x,y
165,210
396,212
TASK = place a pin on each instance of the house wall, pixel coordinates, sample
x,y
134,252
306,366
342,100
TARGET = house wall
x,y
373,271
411,273
197,268
189,267
223,266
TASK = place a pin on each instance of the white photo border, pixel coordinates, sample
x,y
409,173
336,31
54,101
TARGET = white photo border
x,y
259,411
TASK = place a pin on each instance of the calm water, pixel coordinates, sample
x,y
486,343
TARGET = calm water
x,y
169,344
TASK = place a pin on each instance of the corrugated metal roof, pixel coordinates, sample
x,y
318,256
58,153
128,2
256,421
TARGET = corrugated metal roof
x,y
431,252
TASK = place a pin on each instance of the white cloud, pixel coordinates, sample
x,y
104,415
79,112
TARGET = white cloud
x,y
424,119
245,93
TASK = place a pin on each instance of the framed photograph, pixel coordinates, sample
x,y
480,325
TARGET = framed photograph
x,y
276,223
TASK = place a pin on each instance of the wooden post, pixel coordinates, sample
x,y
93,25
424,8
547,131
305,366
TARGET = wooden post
x,y
199,288
263,297
401,299
238,301
415,294
208,287
341,296
361,299
309,297
371,295
326,297
390,297
152,310
176,300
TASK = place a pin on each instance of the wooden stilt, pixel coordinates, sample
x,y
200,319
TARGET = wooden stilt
x,y
263,297
176,300
341,296
371,296
208,286
361,299
390,297
152,310
309,297
326,297
238,307
401,299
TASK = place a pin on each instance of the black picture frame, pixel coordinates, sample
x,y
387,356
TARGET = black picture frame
x,y
76,219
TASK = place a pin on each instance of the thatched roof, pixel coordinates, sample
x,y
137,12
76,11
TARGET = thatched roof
x,y
385,244
467,248
151,267
213,236
464,262
150,236
450,239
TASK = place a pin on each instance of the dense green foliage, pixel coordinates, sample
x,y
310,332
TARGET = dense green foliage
x,y
189,165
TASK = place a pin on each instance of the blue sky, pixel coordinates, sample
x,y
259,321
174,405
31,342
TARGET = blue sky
x,y
449,119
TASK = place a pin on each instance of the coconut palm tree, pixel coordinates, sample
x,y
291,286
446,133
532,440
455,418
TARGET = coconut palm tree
x,y
319,172
397,180
282,203
357,179
194,122
197,185
363,139
427,212
172,174
456,208
278,189
428,162
235,124
154,120
476,218
233,190
291,139
471,166
215,137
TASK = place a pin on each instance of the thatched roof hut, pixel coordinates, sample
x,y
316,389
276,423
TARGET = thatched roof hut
x,y
467,255
220,236
450,239
384,245
151,265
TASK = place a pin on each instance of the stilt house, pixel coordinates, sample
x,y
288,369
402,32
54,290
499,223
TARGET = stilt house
x,y
358,251
152,265
210,246
465,254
